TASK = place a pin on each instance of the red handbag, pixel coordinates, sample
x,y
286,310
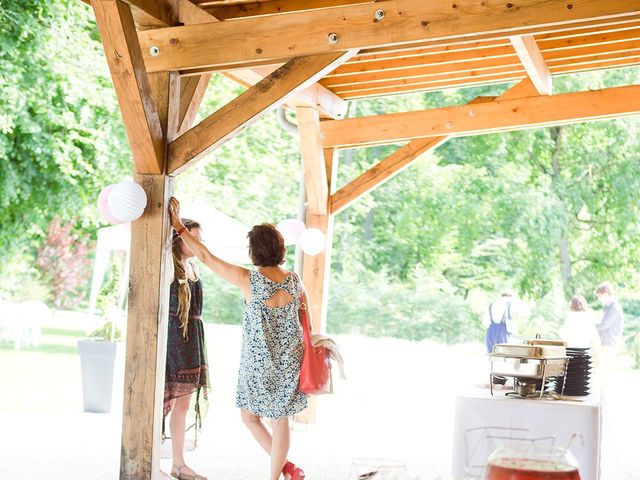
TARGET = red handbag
x,y
315,371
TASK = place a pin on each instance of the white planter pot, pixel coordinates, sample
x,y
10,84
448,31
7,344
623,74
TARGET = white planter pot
x,y
100,363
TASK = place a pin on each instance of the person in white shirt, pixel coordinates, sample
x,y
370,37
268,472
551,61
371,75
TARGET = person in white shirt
x,y
579,329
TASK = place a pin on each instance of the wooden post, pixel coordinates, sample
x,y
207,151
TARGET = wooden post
x,y
146,333
149,306
319,171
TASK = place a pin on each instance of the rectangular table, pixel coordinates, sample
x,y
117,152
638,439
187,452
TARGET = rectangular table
x,y
483,422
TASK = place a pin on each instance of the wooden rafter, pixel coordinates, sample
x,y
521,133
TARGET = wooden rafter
x,y
383,171
468,49
266,95
501,115
224,11
533,62
327,103
131,83
471,64
360,67
405,21
407,154
192,90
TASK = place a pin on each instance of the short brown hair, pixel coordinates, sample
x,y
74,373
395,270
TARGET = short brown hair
x,y
266,246
605,287
578,304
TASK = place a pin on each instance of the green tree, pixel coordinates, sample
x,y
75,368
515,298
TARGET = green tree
x,y
61,136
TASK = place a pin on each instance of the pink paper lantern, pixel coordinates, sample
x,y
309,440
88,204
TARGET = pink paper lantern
x,y
291,229
103,206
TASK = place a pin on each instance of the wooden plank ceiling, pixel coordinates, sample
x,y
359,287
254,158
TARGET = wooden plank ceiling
x,y
434,64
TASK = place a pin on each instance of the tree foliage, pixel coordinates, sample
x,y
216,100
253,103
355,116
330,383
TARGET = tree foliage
x,y
549,212
61,136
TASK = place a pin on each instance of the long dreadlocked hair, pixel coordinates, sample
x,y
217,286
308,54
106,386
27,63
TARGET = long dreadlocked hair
x,y
180,274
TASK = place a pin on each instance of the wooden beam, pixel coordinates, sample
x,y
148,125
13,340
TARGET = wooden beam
x,y
131,84
192,90
148,306
328,104
472,67
146,333
547,42
266,95
322,167
316,270
421,58
382,172
315,174
364,64
501,115
404,156
533,62
444,79
432,86
152,13
405,21
269,7
470,63
575,29
165,89
568,62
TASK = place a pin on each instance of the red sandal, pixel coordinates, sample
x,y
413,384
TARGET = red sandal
x,y
291,472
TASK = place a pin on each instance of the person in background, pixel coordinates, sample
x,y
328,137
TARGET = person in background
x,y
187,373
610,329
499,320
499,324
579,329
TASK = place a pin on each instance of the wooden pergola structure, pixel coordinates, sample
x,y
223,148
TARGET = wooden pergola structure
x,y
313,56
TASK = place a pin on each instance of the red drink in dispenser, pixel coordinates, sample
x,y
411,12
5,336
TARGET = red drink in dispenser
x,y
525,469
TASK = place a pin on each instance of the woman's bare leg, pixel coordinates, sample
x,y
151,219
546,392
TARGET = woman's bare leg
x,y
279,446
178,420
257,428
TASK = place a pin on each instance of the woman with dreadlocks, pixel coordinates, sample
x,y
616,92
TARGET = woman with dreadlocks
x,y
186,377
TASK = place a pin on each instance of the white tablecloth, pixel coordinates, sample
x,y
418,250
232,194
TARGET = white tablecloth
x,y
483,422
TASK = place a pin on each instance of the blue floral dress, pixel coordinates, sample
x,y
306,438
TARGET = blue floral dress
x,y
272,350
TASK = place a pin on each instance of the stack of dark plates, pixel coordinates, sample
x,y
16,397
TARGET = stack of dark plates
x,y
577,380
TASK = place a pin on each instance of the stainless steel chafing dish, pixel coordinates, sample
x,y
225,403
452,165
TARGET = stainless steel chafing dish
x,y
530,364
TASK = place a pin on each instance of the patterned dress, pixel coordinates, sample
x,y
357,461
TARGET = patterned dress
x,y
272,350
186,369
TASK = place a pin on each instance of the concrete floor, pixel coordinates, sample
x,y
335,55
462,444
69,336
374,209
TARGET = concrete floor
x,y
397,404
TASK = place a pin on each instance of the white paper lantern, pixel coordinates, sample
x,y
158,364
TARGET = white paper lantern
x,y
312,241
291,229
127,201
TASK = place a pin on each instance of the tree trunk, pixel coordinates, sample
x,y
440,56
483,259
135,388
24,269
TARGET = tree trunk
x,y
557,134
368,225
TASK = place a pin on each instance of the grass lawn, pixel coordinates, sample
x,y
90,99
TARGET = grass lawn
x,y
45,378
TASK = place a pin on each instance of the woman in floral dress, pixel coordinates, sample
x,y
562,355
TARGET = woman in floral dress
x,y
272,341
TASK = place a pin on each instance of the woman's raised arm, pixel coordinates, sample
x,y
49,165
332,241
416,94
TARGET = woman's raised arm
x,y
234,274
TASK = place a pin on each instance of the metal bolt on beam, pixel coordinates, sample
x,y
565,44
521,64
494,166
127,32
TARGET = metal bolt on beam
x,y
154,51
379,15
333,38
